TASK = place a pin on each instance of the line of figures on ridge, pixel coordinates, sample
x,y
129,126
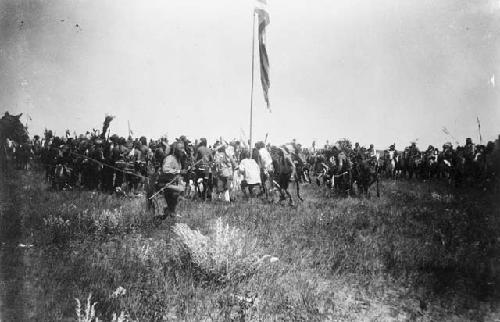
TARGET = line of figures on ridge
x,y
119,165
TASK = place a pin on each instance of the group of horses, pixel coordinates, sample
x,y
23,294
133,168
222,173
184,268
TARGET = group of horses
x,y
467,165
345,171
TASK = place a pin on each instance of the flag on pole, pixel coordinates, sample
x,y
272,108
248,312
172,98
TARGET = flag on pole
x,y
264,20
492,80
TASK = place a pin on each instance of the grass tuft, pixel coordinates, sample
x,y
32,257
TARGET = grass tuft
x,y
228,253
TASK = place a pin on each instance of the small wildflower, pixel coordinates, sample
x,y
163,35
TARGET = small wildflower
x,y
119,292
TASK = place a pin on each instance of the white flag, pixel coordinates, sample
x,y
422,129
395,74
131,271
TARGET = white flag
x,y
492,80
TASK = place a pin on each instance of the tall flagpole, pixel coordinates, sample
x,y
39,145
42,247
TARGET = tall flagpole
x,y
251,93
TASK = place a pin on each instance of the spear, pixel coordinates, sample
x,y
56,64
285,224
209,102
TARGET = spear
x,y
445,131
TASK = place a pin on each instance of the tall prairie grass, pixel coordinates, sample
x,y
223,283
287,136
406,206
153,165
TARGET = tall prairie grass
x,y
420,252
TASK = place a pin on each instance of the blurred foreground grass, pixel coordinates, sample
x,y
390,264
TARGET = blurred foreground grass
x,y
420,252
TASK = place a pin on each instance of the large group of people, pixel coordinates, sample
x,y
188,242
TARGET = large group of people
x,y
472,164
133,166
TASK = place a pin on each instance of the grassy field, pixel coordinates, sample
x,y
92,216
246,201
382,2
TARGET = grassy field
x,y
420,252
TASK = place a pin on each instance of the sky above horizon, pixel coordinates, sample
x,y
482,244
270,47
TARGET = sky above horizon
x,y
381,72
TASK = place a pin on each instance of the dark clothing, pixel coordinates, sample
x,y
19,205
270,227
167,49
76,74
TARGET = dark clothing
x,y
250,187
283,170
172,199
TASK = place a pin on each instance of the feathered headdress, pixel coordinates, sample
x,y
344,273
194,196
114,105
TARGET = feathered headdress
x,y
105,125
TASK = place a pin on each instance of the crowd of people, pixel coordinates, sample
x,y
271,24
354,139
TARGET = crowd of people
x,y
198,169
135,165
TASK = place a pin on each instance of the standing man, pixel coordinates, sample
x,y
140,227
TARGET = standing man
x,y
171,171
204,160
265,163
224,167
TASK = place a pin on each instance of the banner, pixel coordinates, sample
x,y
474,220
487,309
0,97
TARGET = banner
x,y
263,17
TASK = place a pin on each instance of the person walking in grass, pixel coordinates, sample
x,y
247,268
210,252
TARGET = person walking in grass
x,y
170,178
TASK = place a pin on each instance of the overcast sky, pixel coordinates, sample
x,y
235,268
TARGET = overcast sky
x,y
373,71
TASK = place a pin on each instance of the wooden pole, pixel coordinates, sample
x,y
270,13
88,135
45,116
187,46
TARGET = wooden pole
x,y
251,92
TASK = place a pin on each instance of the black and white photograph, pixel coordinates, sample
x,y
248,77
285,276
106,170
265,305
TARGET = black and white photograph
x,y
249,160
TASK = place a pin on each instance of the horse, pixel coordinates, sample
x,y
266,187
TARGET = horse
x,y
365,173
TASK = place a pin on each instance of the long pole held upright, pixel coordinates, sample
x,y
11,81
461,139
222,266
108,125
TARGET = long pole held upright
x,y
251,93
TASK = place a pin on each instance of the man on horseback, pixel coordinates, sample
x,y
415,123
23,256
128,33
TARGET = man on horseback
x,y
414,160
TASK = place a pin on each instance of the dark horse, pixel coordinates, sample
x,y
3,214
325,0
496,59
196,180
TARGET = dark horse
x,y
366,173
